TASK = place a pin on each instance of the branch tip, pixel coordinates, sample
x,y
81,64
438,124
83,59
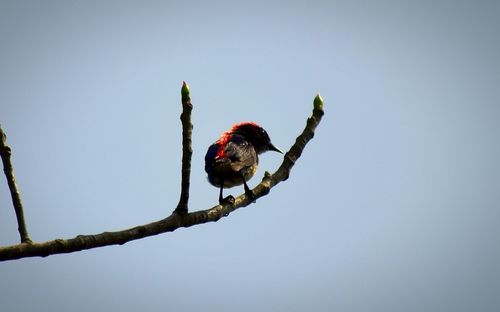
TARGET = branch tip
x,y
187,151
3,136
185,89
318,102
5,154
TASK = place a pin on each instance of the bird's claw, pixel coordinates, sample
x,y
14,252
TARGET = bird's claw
x,y
250,194
227,200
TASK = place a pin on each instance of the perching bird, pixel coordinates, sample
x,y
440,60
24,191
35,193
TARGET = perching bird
x,y
233,159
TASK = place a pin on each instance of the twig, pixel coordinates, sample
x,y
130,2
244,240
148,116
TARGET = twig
x,y
6,152
175,220
295,151
187,151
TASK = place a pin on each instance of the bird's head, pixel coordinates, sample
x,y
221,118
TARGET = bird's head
x,y
256,135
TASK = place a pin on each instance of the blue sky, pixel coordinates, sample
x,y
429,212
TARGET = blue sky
x,y
392,207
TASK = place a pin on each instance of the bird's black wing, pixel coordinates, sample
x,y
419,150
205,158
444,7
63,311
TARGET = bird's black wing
x,y
210,157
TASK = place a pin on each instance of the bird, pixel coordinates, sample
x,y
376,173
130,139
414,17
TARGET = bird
x,y
233,159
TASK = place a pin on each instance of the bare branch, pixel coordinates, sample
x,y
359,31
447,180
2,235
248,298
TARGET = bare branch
x,y
187,151
175,220
5,153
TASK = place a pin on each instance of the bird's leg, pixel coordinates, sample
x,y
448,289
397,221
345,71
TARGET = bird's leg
x,y
221,200
229,199
248,191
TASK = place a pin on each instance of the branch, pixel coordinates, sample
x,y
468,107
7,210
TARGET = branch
x,y
187,151
5,153
175,220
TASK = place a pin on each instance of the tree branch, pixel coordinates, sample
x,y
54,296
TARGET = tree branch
x,y
5,153
187,151
175,220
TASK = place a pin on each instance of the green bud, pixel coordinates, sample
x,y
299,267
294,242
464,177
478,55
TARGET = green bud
x,y
318,102
185,89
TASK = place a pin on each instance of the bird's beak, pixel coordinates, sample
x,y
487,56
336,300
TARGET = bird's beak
x,y
271,147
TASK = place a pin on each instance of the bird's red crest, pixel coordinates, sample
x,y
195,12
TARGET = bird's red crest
x,y
221,142
226,137
236,126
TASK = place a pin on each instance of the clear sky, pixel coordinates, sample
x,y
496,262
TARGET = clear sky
x,y
394,205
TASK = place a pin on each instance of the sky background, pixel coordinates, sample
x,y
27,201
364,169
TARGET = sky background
x,y
394,205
